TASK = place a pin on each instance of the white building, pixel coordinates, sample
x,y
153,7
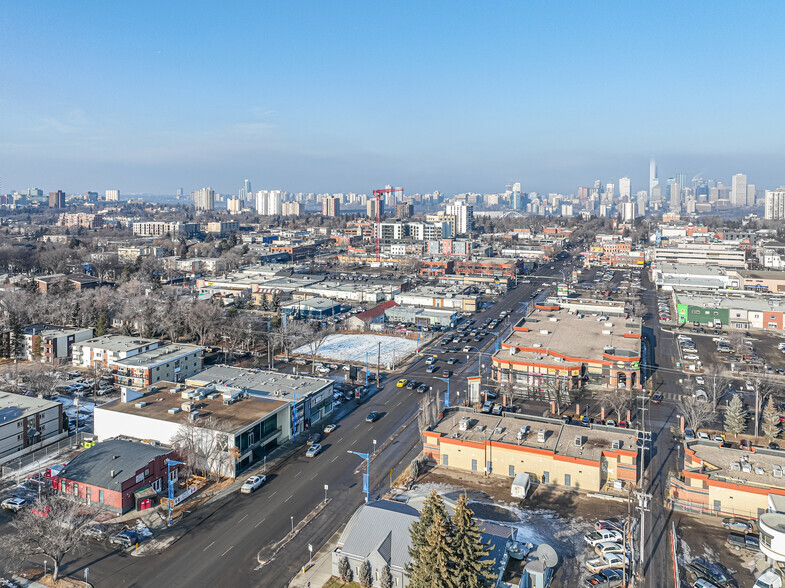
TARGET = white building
x,y
204,199
27,424
625,187
627,212
464,217
269,202
738,193
112,195
775,204
107,349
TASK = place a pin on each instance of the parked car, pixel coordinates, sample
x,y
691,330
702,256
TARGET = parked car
x,y
15,504
252,484
613,524
611,560
689,433
656,398
739,541
330,428
452,361
97,532
597,537
715,573
736,524
313,450
431,368
401,383
124,538
314,438
608,547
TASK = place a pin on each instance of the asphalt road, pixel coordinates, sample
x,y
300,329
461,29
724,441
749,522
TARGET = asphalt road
x,y
223,539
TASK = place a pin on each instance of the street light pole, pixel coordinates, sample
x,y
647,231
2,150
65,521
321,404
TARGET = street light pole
x,y
366,476
169,464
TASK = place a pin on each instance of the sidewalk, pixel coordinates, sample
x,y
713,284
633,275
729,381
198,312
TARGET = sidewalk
x,y
320,569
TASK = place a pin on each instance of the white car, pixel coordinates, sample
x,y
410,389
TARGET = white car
x,y
597,537
703,435
313,450
700,381
610,560
608,547
692,356
252,484
330,428
14,504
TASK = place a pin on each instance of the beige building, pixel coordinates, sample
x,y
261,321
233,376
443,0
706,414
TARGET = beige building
x,y
722,481
586,458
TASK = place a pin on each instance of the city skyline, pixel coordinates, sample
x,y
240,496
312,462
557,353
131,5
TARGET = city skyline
x,y
459,98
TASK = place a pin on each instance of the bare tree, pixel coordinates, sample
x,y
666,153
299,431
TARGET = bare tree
x,y
762,388
619,400
42,379
318,337
716,381
737,342
206,447
292,334
696,413
202,319
53,528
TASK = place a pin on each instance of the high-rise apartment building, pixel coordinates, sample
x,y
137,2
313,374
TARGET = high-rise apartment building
x,y
291,209
775,204
269,202
464,217
112,195
738,192
370,208
653,179
404,210
750,194
675,196
625,188
204,199
331,206
247,190
234,205
627,212
610,191
57,199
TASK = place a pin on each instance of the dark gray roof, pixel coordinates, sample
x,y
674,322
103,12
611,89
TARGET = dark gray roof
x,y
497,535
94,466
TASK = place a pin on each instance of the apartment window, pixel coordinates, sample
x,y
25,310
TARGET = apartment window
x,y
87,493
512,471
474,465
146,472
445,460
567,480
76,489
101,496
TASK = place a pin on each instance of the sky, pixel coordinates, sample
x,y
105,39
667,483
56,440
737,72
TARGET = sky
x,y
315,96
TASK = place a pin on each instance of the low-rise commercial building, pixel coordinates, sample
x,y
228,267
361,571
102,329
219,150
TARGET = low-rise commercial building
x,y
553,351
439,297
551,452
117,475
491,266
723,481
692,277
316,308
739,310
724,255
422,317
760,280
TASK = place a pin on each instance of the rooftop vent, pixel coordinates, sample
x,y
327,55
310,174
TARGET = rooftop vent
x,y
776,471
578,441
616,444
541,436
174,410
140,404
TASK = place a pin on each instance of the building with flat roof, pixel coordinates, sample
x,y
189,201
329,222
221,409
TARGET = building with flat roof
x,y
107,349
724,255
51,344
311,399
693,277
312,308
168,363
593,458
740,310
554,351
252,424
28,423
760,280
723,481
422,317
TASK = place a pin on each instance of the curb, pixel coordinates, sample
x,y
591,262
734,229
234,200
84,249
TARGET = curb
x,y
292,534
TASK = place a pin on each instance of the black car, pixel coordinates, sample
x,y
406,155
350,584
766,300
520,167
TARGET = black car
x,y
656,398
773,445
314,438
372,416
411,385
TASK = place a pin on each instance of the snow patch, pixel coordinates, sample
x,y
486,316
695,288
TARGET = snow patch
x,y
347,347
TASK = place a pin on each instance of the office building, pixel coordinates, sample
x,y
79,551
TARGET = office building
x,y
234,205
738,195
204,199
112,195
653,179
247,190
57,199
331,206
464,217
625,188
775,204
675,196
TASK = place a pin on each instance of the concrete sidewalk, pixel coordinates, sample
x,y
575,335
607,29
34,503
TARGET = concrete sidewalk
x,y
320,569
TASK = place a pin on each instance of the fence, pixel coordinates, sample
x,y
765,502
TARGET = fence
x,y
18,468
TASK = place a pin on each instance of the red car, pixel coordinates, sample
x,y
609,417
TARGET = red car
x,y
624,425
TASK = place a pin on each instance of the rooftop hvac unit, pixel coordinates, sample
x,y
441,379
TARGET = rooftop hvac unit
x,y
499,430
541,436
536,344
544,332
616,444
215,396
606,331
480,428
759,470
173,410
776,471
192,416
578,441
140,404
187,406
554,319
609,324
746,468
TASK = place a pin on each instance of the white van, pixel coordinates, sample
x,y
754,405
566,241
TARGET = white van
x,y
769,579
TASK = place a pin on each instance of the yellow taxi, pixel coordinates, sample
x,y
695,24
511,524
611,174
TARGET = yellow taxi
x,y
402,382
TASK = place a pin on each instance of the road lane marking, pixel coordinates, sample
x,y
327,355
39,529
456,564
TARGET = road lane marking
x,y
273,494
298,473
260,522
242,519
333,459
227,551
288,499
209,546
356,426
312,477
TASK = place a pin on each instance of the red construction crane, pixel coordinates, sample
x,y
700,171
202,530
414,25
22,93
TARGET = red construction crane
x,y
378,195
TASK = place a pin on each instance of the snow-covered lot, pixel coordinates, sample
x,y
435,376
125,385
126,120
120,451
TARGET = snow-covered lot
x,y
346,347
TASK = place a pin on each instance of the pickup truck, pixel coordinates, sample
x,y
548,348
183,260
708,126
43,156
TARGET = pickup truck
x,y
699,568
739,541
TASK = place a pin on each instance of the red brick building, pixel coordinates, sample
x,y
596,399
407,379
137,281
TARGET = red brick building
x,y
487,267
117,475
440,267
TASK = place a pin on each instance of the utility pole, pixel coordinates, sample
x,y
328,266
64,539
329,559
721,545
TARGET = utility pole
x,y
643,498
378,365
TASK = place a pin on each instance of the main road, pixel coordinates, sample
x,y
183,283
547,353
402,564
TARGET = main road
x,y
222,540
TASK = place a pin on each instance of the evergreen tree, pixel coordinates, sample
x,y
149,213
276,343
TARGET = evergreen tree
x,y
385,579
102,326
433,568
735,417
771,420
17,341
472,568
365,574
345,570
433,505
75,314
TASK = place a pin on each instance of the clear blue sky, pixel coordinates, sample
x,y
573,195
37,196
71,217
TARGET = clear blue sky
x,y
348,96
